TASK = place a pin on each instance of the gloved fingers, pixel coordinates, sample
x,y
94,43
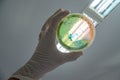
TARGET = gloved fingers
x,y
71,56
58,11
45,26
54,24
47,23
41,35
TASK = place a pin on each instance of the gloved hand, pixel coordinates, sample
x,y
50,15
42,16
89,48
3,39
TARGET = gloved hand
x,y
46,56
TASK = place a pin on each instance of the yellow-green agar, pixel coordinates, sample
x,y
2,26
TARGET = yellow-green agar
x,y
75,32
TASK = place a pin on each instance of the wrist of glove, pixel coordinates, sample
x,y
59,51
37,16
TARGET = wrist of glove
x,y
46,56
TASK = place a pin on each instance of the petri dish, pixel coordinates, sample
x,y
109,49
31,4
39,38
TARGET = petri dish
x,y
75,32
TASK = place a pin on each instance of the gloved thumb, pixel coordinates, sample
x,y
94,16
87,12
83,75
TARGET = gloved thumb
x,y
71,56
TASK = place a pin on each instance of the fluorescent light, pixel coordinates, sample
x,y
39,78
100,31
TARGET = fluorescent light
x,y
103,7
95,3
111,7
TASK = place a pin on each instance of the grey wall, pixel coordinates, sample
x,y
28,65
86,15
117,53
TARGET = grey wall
x,y
20,24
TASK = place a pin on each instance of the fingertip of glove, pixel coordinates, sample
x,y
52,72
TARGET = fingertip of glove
x,y
73,56
64,10
76,54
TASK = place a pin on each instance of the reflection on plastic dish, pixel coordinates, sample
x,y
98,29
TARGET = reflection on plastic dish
x,y
75,32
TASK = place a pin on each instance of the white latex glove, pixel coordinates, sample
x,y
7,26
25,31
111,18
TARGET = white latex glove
x,y
46,56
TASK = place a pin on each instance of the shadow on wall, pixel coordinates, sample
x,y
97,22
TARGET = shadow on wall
x,y
1,1
2,76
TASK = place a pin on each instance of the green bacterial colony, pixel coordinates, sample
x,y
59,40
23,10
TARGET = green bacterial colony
x,y
64,37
